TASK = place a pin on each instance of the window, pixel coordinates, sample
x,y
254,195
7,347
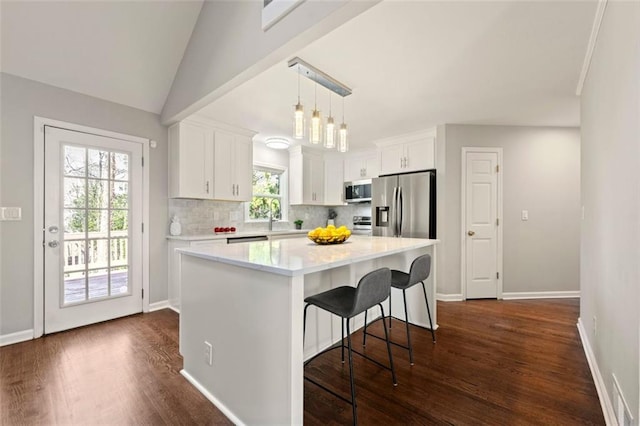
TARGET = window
x,y
269,194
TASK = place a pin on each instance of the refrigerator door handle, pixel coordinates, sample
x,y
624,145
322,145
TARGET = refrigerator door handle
x,y
395,211
400,212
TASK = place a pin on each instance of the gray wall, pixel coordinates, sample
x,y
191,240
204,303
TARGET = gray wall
x,y
610,250
541,174
23,99
228,47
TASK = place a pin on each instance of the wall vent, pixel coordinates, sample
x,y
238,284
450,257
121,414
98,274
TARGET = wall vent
x,y
623,414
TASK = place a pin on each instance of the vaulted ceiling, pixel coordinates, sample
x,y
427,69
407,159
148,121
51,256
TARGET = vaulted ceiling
x,y
411,64
127,52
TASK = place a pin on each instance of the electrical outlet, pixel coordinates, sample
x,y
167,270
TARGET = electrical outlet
x,y
595,325
208,353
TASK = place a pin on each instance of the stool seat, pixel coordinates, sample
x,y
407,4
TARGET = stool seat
x,y
418,273
400,279
347,302
338,301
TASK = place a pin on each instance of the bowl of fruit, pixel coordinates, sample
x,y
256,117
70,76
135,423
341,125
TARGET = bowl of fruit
x,y
329,235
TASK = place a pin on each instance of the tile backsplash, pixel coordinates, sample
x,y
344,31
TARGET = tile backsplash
x,y
201,216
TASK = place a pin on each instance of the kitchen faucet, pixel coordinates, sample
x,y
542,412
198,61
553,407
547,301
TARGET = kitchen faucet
x,y
271,215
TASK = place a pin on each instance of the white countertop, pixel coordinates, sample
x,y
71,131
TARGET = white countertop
x,y
299,256
212,236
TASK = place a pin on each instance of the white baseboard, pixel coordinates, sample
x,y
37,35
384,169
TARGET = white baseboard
x,y
164,304
219,405
17,337
449,297
541,295
174,309
605,402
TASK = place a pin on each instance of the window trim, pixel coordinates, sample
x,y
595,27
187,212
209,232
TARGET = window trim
x,y
284,191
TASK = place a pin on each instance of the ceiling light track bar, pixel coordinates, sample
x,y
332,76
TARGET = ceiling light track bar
x,y
319,77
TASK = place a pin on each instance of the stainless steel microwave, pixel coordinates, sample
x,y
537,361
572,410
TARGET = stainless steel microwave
x,y
357,191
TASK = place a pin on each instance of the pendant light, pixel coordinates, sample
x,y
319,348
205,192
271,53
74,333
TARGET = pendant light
x,y
298,115
343,142
315,136
330,131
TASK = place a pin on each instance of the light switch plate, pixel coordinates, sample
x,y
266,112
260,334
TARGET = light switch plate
x,y
10,213
525,214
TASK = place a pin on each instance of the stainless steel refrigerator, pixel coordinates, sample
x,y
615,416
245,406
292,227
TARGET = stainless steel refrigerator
x,y
404,205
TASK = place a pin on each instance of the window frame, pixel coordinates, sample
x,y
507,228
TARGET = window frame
x,y
283,196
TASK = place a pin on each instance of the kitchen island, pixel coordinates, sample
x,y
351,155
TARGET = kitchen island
x,y
246,301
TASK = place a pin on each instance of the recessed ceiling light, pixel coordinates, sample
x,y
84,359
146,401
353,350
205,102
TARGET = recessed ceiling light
x,y
277,143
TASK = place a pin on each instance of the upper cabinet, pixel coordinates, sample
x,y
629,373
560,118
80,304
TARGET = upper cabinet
x,y
306,176
208,161
233,165
333,179
407,153
361,165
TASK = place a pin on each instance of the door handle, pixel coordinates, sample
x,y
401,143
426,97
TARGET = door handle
x,y
53,243
471,233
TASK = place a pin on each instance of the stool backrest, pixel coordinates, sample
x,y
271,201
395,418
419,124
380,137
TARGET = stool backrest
x,y
420,269
372,289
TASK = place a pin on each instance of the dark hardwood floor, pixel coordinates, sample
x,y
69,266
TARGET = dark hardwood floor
x,y
496,362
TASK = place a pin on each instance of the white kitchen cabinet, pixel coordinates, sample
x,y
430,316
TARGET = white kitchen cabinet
x,y
174,266
306,176
190,161
361,165
233,167
407,153
208,161
333,179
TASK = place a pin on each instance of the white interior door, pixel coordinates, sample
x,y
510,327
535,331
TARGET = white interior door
x,y
92,232
480,224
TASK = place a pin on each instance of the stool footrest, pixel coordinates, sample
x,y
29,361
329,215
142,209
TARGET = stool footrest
x,y
337,395
390,341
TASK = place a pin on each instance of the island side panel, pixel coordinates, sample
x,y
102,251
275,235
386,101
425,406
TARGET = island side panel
x,y
253,321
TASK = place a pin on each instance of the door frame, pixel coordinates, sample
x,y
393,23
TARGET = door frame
x,y
463,211
38,210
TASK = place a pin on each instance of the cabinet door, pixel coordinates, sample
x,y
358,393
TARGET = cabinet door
x,y
391,159
243,168
420,154
371,166
190,161
223,168
313,179
333,181
353,168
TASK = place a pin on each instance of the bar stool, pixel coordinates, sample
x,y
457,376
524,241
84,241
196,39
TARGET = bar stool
x,y
347,302
418,273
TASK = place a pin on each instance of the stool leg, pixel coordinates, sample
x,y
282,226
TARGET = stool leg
x,y
386,336
424,290
304,324
406,322
353,384
389,309
342,341
364,336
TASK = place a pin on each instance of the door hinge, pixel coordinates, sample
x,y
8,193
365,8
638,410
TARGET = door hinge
x,y
143,293
498,275
142,227
142,161
497,221
498,168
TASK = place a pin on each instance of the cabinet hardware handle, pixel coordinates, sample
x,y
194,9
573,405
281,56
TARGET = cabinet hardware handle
x,y
237,189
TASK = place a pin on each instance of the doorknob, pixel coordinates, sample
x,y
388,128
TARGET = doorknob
x,y
53,244
471,233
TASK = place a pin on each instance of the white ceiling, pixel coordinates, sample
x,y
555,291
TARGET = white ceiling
x,y
411,64
416,64
122,51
